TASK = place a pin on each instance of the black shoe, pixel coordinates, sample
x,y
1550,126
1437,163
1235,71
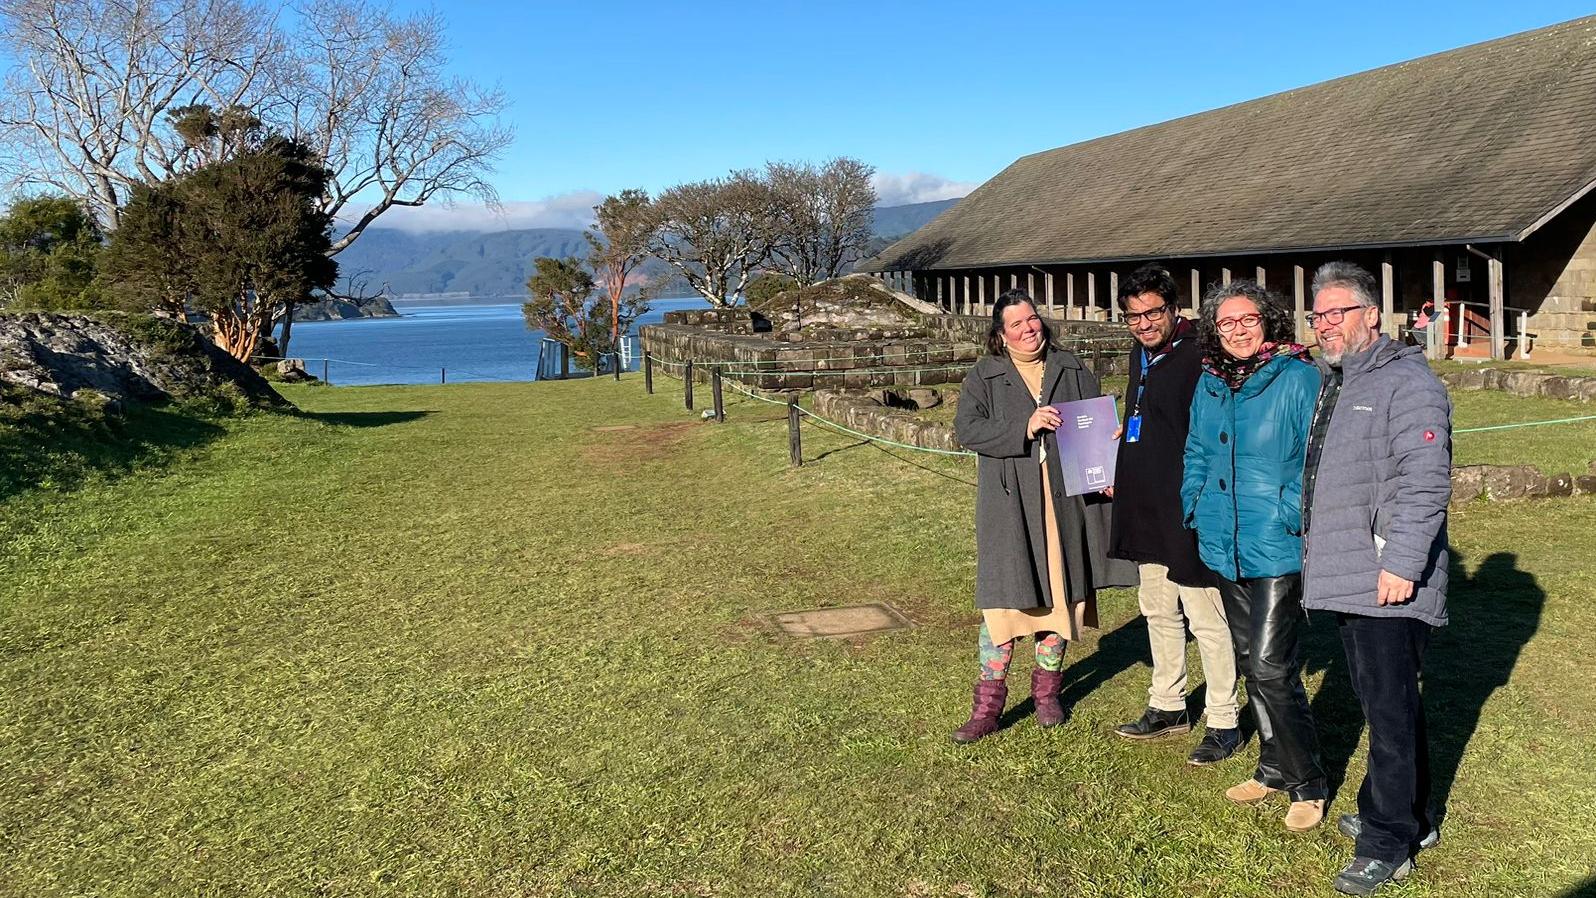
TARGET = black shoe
x,y
1351,826
1155,723
1365,875
1216,746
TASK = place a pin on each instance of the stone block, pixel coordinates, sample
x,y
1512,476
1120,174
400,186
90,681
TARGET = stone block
x,y
1469,379
1513,482
1492,378
1468,483
1585,485
1522,383
1583,388
1554,387
1559,485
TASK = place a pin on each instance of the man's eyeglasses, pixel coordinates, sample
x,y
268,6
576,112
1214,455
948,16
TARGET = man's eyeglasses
x,y
1331,317
1153,316
1226,325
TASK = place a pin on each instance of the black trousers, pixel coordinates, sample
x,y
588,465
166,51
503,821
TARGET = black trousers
x,y
1384,655
1265,617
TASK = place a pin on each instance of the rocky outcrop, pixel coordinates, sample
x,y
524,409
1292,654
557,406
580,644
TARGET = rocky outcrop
x,y
330,309
117,358
856,307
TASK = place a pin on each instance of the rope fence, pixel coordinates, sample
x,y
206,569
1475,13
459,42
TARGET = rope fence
x,y
721,375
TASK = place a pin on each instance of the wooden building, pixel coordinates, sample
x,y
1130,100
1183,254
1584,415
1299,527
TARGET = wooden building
x,y
1465,178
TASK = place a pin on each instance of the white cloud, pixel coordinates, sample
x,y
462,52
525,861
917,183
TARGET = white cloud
x,y
917,187
567,210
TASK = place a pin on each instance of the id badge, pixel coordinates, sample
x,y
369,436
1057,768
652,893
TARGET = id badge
x,y
1133,429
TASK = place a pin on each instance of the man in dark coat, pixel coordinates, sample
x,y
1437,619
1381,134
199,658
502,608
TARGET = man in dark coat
x,y
1165,365
1375,487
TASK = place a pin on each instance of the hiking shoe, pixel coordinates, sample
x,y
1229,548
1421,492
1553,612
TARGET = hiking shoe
x,y
1305,815
1249,792
1154,723
1216,746
1351,826
1365,875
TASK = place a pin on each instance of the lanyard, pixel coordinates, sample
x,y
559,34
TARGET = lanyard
x,y
1147,366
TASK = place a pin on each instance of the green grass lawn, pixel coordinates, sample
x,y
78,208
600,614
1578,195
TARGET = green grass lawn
x,y
455,641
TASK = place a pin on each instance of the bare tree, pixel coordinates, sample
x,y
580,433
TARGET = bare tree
x,y
715,233
823,215
91,84
619,236
369,92
96,89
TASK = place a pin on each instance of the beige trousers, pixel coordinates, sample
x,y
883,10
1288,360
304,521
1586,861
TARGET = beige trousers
x,y
1162,602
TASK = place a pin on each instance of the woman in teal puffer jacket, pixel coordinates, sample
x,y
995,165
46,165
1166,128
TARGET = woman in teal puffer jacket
x,y
1242,493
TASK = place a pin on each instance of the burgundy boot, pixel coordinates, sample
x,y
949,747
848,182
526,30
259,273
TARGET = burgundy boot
x,y
1045,687
989,698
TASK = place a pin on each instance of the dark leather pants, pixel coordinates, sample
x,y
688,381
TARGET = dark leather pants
x,y
1265,617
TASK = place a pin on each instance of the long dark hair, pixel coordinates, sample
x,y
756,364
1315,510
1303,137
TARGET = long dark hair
x,y
994,335
1277,324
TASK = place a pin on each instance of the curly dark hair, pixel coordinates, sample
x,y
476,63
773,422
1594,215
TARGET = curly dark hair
x,y
1277,324
994,335
1149,279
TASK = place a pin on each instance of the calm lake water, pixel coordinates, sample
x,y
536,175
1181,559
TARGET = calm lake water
x,y
487,341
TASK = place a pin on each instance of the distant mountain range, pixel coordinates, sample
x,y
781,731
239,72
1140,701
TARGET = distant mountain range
x,y
497,263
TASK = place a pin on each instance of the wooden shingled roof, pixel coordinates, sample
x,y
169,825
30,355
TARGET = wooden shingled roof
x,y
1484,143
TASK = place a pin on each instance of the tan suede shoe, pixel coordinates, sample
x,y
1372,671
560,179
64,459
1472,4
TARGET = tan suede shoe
x,y
1249,792
1305,815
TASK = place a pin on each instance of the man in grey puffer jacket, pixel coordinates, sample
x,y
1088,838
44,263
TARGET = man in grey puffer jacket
x,y
1375,487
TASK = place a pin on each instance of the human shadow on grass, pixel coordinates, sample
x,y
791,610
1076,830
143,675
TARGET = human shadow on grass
x,y
1586,889
63,444
365,419
1117,651
1492,615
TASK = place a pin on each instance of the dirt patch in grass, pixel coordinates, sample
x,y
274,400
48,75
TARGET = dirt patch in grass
x,y
640,444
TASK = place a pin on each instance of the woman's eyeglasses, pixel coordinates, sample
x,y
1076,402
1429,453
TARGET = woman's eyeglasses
x,y
1227,325
1153,316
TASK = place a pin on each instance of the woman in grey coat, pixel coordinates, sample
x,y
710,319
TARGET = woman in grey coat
x,y
1041,555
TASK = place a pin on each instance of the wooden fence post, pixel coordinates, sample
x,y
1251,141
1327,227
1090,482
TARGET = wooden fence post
x,y
687,381
720,405
795,448
617,366
443,375
648,373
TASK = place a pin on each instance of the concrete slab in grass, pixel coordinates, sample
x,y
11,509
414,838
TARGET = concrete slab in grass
x,y
838,623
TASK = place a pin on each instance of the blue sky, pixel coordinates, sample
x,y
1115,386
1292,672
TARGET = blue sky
x,y
937,96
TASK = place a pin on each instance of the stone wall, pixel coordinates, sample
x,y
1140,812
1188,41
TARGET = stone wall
x,y
866,415
1553,274
1523,383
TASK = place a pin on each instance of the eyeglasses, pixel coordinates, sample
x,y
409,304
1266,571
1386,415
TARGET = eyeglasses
x,y
1331,317
1153,316
1252,319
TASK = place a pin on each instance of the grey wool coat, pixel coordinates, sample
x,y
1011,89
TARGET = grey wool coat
x,y
1011,565
1377,498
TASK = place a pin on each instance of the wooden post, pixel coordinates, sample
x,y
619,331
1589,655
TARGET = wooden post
x,y
1014,280
1498,330
714,389
617,357
687,382
1262,276
1069,295
648,372
1435,334
1030,285
1091,294
1299,303
939,293
967,310
1224,276
980,295
1196,290
1113,296
443,375
1047,284
1388,300
565,361
795,449
324,378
